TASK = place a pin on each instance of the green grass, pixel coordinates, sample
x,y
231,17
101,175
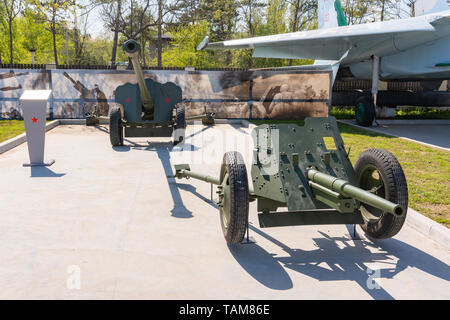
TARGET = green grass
x,y
11,128
401,113
427,169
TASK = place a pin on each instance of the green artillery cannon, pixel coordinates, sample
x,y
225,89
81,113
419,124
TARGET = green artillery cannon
x,y
150,109
306,169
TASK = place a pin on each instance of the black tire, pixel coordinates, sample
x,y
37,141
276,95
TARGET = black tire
x,y
364,111
234,221
180,126
115,127
393,188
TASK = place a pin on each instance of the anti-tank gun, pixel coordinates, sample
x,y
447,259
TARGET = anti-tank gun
x,y
306,172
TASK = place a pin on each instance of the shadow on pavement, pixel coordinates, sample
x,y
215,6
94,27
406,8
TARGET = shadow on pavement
x,y
261,265
190,188
349,261
179,209
44,172
335,259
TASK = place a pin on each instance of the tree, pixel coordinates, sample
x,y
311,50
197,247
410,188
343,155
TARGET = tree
x,y
182,51
250,9
166,17
2,14
388,9
32,34
188,12
131,18
12,9
52,12
112,12
303,13
356,11
221,15
252,12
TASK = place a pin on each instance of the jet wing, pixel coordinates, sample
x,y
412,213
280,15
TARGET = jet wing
x,y
443,20
331,43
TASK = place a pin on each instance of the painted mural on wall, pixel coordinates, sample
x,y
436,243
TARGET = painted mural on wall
x,y
12,84
230,94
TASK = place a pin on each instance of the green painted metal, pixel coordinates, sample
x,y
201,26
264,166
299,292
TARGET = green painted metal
x,y
370,179
183,171
293,168
307,218
342,21
132,49
344,188
360,111
147,101
441,65
282,155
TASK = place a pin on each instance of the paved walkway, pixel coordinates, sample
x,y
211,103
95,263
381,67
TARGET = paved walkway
x,y
431,132
113,220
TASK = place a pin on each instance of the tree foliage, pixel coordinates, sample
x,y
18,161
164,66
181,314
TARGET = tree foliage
x,y
46,25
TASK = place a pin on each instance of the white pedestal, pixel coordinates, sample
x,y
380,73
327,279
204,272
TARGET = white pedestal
x,y
34,105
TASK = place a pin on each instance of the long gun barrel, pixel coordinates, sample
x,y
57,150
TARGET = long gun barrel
x,y
132,49
345,189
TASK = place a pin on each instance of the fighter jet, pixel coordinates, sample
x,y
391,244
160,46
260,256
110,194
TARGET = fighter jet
x,y
415,48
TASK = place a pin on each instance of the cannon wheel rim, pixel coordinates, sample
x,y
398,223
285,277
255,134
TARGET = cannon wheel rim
x,y
384,225
234,197
115,127
370,179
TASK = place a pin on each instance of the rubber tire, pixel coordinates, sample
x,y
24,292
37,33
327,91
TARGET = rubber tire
x,y
366,116
396,190
180,126
233,163
115,127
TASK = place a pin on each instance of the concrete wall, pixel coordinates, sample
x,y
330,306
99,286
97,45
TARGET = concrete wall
x,y
230,94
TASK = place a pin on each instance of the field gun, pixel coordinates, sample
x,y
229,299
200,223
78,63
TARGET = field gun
x,y
306,169
150,109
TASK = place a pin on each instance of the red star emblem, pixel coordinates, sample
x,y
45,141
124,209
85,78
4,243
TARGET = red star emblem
x,y
34,120
128,100
167,100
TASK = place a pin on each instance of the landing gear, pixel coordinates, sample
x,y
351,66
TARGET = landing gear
x,y
365,107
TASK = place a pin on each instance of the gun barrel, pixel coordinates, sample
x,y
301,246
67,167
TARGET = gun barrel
x,y
347,190
132,49
202,177
184,171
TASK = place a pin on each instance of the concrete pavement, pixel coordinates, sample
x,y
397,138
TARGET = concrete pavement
x,y
112,223
434,133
